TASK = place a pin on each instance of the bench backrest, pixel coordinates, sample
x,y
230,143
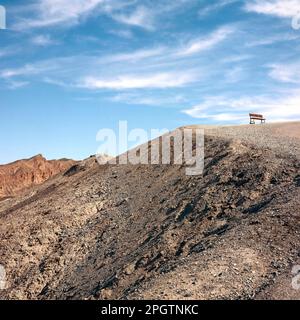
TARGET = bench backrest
x,y
255,115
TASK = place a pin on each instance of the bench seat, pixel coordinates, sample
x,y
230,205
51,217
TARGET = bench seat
x,y
255,116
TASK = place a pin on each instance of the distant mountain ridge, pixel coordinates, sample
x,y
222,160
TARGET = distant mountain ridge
x,y
22,174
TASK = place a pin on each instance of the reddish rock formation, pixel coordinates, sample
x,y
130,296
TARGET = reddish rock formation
x,y
19,175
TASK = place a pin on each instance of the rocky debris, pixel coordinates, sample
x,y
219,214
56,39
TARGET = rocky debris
x,y
282,137
149,232
73,170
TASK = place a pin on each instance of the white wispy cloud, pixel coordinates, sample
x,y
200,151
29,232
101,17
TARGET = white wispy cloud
x,y
279,8
237,58
25,70
135,56
127,34
43,40
207,42
8,51
49,13
56,12
124,82
289,73
149,99
220,4
223,108
11,84
32,69
155,67
4,52
140,17
234,75
148,14
272,39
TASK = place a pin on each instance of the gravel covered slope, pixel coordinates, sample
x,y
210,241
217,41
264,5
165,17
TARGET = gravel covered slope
x,y
281,137
141,231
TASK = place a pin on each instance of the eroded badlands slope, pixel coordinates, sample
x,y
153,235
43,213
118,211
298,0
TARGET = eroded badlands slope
x,y
22,174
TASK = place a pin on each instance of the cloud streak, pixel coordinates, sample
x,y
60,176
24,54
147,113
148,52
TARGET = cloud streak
x,y
63,13
43,40
220,4
141,17
289,73
208,42
228,109
48,13
151,81
30,69
279,8
158,67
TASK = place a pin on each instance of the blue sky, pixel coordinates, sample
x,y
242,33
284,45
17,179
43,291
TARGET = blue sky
x,y
70,68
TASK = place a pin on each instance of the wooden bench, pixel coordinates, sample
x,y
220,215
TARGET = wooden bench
x,y
255,116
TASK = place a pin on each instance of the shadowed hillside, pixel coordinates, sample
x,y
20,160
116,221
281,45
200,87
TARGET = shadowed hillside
x,y
151,231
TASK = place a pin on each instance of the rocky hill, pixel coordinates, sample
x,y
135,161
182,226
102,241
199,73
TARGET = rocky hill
x,y
151,231
22,174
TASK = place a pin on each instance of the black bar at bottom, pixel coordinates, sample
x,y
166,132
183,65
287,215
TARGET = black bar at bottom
x,y
146,309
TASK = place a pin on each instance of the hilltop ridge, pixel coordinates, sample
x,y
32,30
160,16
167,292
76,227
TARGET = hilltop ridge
x,y
151,231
